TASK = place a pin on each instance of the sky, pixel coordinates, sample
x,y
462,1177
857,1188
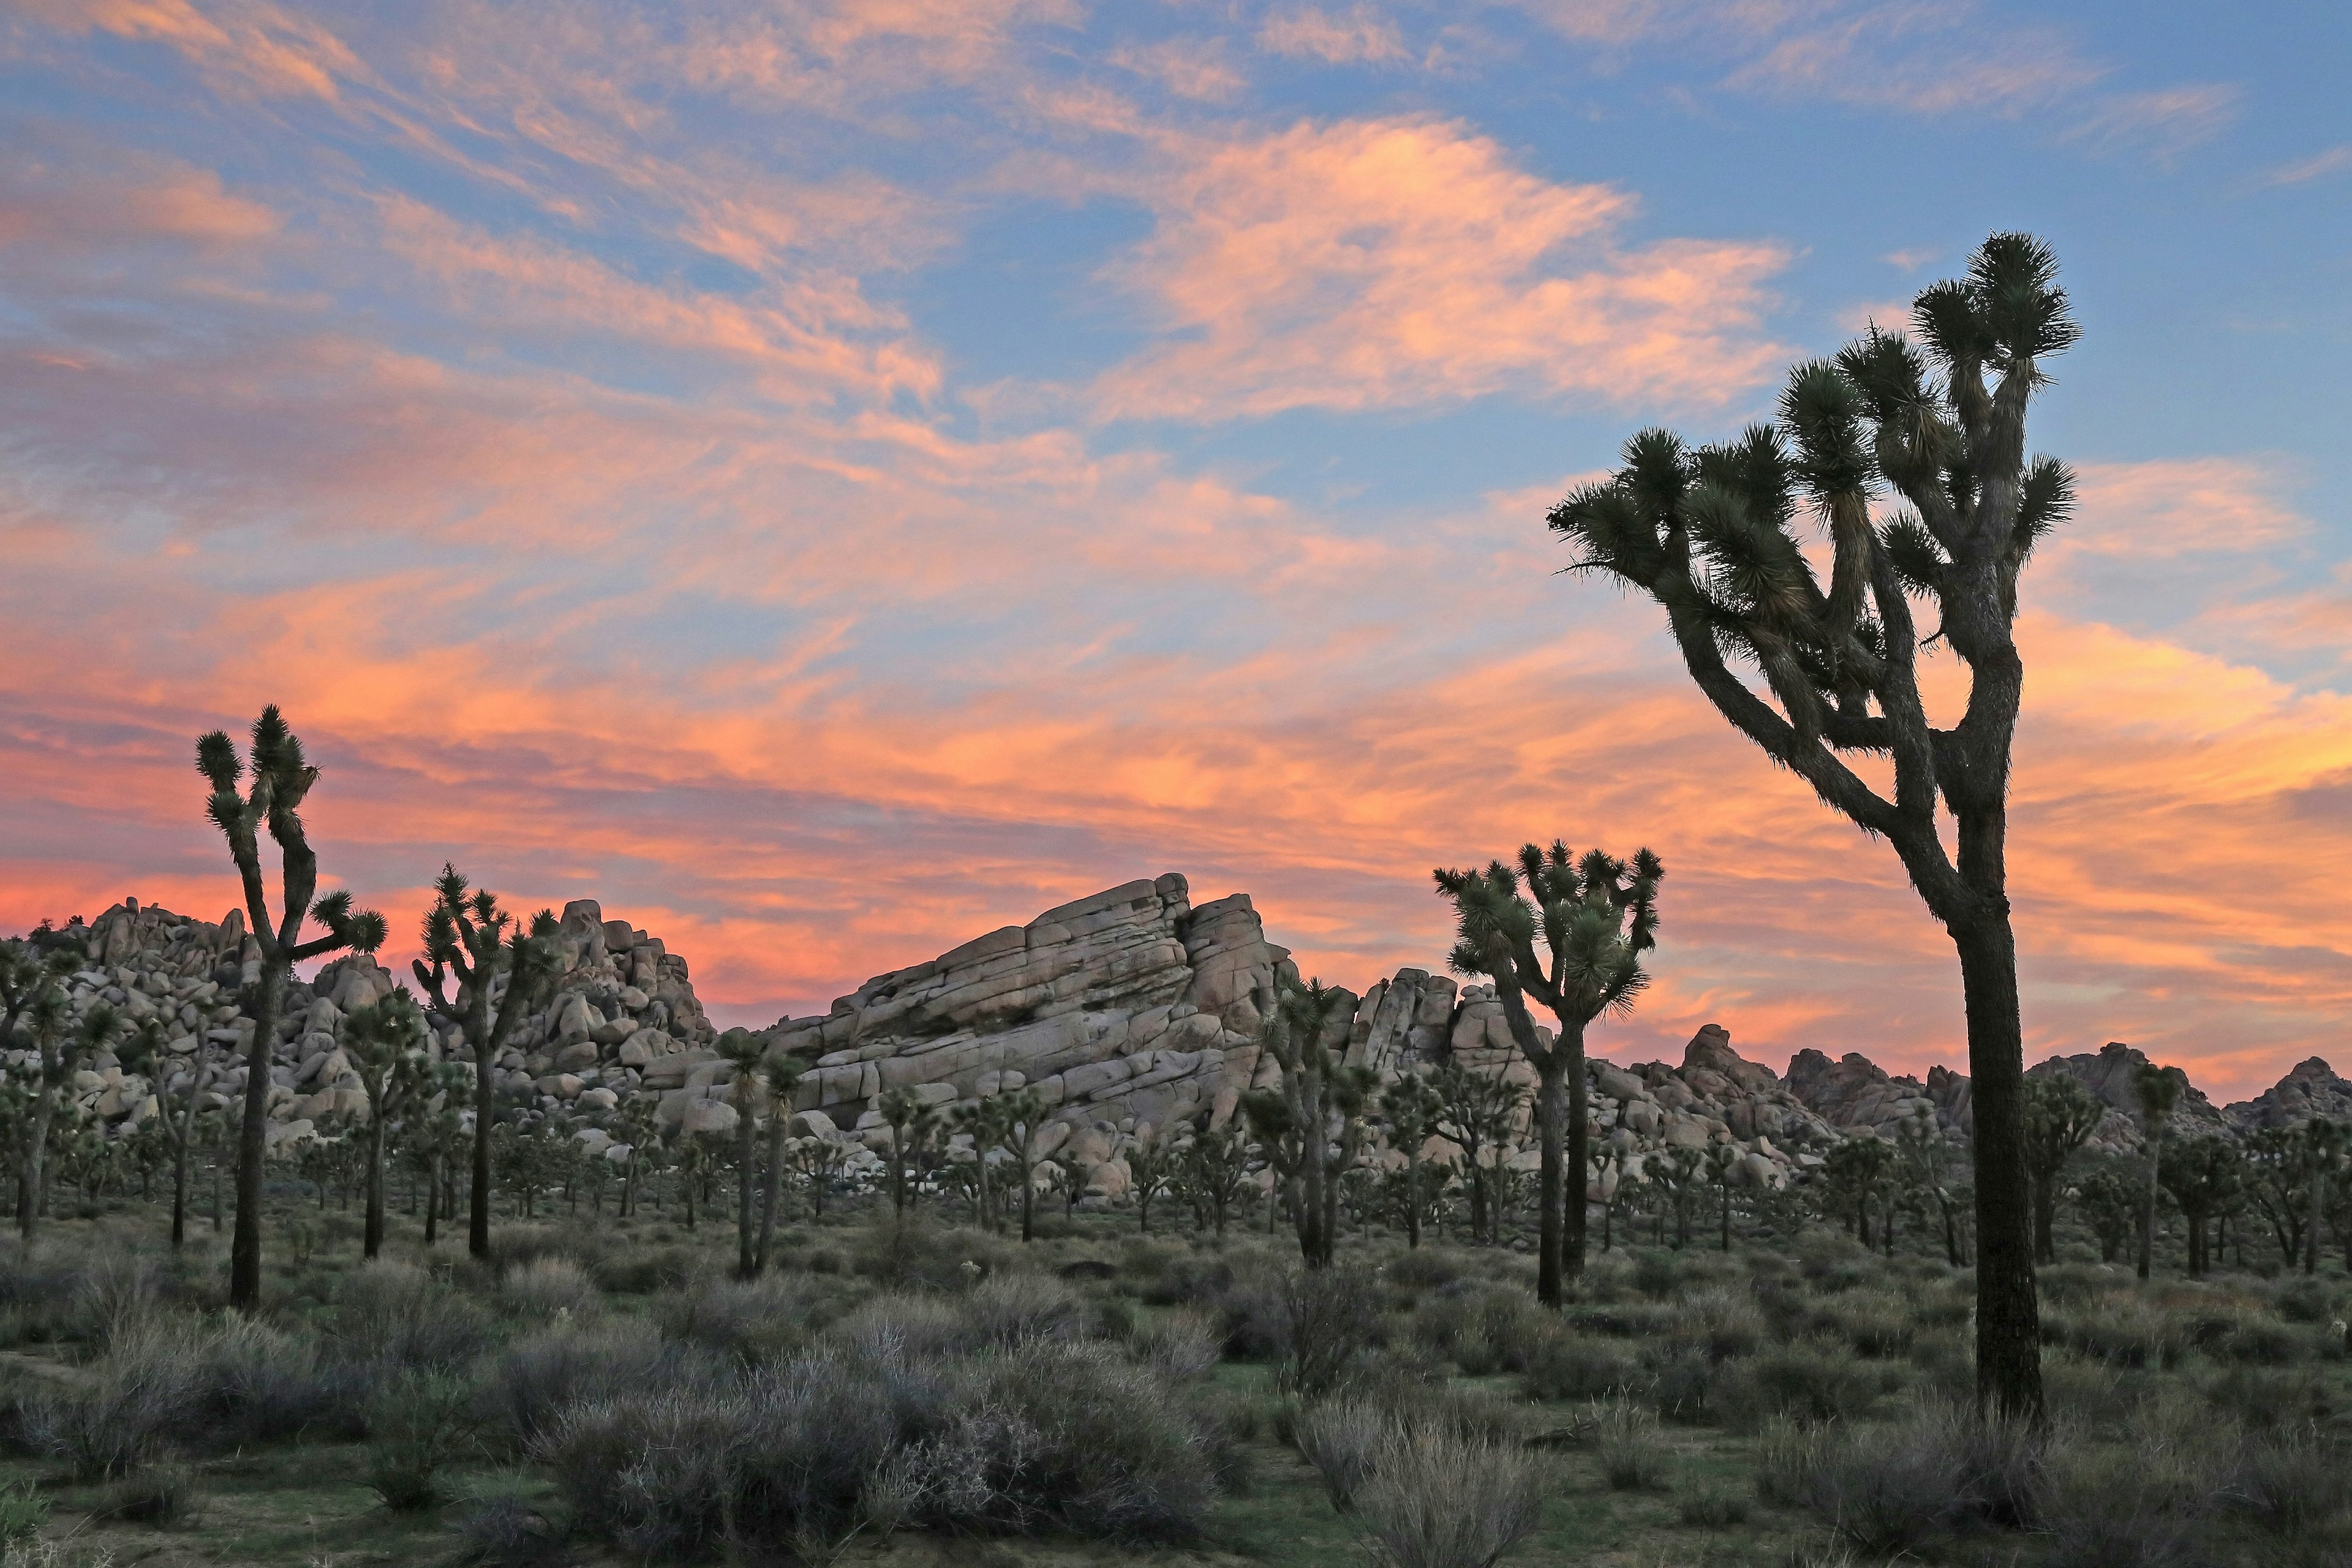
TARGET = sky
x,y
829,479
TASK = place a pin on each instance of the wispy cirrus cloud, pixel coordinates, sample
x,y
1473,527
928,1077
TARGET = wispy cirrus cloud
x,y
2333,160
1359,36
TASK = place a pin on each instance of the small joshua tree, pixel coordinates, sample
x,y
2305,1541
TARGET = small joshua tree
x,y
2060,1116
1315,1117
2159,1091
780,1075
1476,1113
1595,916
2324,1145
2202,1174
61,1045
1019,1123
385,1042
469,939
1216,1172
281,781
1711,535
912,1125
748,1054
1411,1108
1151,1166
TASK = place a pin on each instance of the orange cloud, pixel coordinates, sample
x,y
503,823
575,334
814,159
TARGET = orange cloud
x,y
246,45
1376,263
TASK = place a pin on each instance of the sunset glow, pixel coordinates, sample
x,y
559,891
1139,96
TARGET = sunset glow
x,y
830,480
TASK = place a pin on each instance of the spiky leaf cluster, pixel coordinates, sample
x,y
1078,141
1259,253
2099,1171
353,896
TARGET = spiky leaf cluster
x,y
1593,914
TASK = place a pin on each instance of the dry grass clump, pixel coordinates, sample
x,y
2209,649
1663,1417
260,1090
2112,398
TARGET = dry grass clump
x,y
551,1287
1438,1500
1892,1488
1633,1454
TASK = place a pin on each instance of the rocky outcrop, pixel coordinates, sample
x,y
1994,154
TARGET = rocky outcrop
x,y
2311,1088
1127,1011
1133,1011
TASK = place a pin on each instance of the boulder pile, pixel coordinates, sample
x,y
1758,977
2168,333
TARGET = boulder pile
x,y
1133,1013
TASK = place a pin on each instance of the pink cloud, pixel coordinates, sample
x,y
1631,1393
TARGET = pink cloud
x,y
1383,263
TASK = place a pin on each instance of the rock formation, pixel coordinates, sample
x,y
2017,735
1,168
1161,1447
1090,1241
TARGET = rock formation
x,y
1133,1011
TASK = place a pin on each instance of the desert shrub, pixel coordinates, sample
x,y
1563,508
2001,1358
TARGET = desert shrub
x,y
1482,1328
1565,1364
1622,1320
23,1512
1720,1323
2140,1505
1340,1437
507,1532
2261,1341
1437,1499
1875,1322
40,1296
2123,1330
2292,1483
401,1317
1892,1488
128,1413
643,1271
1714,1509
1633,1454
1657,1274
751,1320
1328,1328
1161,1280
1013,1308
915,1253
1424,1269
1808,1383
1180,1346
551,1287
259,1383
418,1425
2076,1284
1686,1384
2267,1398
159,1495
114,1293
538,1378
2305,1299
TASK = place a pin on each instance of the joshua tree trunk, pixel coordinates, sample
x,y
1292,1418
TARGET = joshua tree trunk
x,y
771,1188
2008,1333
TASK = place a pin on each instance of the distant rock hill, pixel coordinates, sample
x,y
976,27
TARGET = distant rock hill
x,y
1133,1011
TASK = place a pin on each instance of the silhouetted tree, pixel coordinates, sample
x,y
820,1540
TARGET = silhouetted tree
x,y
1595,917
2202,1174
282,781
911,1122
2060,1116
2324,1144
2111,1197
61,1043
780,1076
1711,535
500,969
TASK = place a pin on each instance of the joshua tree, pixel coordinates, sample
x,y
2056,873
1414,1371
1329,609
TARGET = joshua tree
x,y
1711,534
1474,1112
2278,1180
1595,916
781,1076
911,1123
282,780
1019,1122
1722,1171
178,1115
1927,1168
1316,1114
1151,1165
25,976
61,1045
748,1054
2159,1091
385,1042
986,1121
1857,1167
2202,1174
2060,1116
1411,1107
468,937
1216,1170
2324,1143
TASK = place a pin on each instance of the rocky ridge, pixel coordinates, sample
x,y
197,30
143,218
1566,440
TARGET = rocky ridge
x,y
1133,1013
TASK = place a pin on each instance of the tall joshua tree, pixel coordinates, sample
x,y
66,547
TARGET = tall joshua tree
x,y
1595,916
1711,534
469,939
281,781
2060,1116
